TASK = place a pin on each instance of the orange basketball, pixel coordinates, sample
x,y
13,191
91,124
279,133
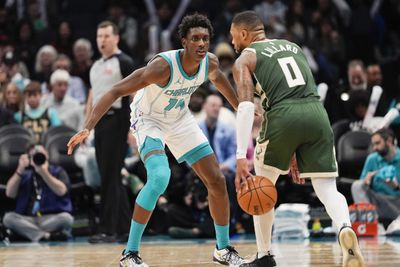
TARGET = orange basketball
x,y
259,198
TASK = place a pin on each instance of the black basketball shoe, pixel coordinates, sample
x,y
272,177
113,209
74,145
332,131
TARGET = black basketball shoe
x,y
265,261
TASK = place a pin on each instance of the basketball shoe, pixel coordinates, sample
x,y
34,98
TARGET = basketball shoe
x,y
265,261
227,256
352,256
131,259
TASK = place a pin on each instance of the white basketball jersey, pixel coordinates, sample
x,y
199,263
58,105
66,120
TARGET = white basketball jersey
x,y
172,100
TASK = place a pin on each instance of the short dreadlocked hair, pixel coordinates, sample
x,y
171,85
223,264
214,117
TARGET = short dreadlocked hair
x,y
193,21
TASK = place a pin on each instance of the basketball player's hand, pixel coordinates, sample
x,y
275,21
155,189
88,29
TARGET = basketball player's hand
x,y
242,174
77,139
294,171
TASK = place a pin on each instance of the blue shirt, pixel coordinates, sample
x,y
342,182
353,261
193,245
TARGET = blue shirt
x,y
224,143
385,170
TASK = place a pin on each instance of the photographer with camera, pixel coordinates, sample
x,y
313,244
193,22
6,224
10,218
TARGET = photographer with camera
x,y
43,204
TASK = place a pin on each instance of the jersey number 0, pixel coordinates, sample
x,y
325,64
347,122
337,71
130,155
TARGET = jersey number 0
x,y
291,71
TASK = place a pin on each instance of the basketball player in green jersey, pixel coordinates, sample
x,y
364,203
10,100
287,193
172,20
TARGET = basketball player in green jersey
x,y
295,126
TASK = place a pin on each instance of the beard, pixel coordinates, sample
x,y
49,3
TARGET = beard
x,y
383,153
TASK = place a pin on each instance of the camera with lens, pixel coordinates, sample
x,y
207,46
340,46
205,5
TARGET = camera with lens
x,y
38,158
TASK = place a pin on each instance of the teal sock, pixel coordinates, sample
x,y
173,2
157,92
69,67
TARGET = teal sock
x,y
135,236
222,235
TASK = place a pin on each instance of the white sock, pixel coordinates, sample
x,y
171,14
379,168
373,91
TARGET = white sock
x,y
263,223
335,203
263,230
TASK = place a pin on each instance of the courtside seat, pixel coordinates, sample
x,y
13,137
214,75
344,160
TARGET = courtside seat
x,y
352,151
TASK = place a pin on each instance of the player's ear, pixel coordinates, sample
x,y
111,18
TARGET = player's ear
x,y
243,34
183,41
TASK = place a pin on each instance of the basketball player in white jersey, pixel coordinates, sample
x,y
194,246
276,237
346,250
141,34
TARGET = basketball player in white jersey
x,y
159,116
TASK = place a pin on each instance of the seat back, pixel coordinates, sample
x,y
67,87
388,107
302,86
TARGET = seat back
x,y
12,129
340,128
56,145
52,131
11,147
352,151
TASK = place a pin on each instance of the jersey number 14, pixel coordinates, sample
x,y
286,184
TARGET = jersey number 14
x,y
174,103
291,71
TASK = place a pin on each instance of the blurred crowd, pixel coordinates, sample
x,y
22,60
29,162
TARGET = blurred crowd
x,y
48,47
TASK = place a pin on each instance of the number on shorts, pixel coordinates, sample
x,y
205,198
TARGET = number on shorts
x,y
293,76
173,102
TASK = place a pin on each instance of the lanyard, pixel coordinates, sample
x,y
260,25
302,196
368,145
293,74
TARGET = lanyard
x,y
38,192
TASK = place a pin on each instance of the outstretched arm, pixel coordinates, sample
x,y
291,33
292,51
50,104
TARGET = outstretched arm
x,y
156,72
221,82
242,71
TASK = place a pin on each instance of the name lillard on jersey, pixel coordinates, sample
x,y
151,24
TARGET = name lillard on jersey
x,y
183,91
274,49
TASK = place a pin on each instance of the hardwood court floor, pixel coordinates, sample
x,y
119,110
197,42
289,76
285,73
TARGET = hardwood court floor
x,y
377,252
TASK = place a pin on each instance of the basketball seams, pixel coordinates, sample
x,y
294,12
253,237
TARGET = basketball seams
x,y
249,191
258,197
258,184
273,200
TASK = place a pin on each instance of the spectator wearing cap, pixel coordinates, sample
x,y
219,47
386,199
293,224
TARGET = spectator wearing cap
x,y
226,57
68,108
35,117
12,67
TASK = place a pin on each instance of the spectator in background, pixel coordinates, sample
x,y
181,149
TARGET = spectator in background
x,y
128,28
13,99
330,52
26,43
380,177
272,13
374,75
76,87
224,18
113,66
6,117
82,60
45,58
43,204
71,113
222,138
296,23
13,71
35,117
64,39
226,57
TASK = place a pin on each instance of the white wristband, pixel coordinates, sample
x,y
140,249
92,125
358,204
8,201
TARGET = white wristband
x,y
244,117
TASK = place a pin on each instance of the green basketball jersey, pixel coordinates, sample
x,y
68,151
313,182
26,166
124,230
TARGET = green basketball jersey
x,y
282,72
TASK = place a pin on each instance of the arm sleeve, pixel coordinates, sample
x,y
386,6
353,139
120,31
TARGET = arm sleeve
x,y
245,117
